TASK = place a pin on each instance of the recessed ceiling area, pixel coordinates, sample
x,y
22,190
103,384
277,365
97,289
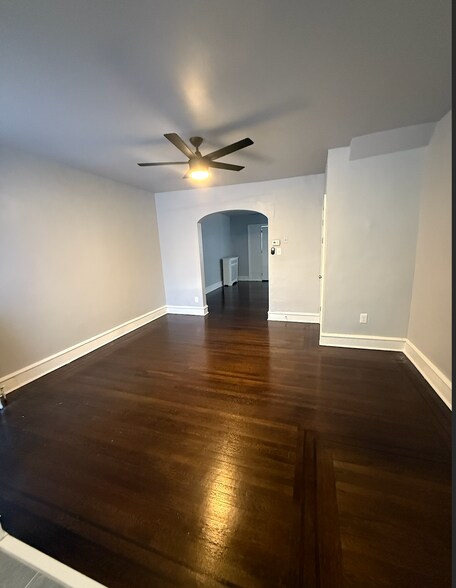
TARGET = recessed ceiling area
x,y
95,85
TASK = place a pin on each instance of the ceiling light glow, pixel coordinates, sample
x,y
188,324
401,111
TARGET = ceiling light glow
x,y
199,174
199,169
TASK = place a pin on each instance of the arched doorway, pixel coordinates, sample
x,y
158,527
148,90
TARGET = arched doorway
x,y
234,238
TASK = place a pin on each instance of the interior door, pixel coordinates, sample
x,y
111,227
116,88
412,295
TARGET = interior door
x,y
255,256
264,253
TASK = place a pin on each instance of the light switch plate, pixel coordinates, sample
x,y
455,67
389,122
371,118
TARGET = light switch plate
x,y
278,251
363,317
276,242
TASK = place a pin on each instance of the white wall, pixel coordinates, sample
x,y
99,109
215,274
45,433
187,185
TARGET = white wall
x,y
79,255
239,238
371,229
216,238
430,318
293,207
391,141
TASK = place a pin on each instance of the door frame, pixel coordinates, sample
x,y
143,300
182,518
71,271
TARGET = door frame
x,y
322,260
264,247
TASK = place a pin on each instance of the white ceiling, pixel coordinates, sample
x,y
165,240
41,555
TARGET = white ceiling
x,y
96,83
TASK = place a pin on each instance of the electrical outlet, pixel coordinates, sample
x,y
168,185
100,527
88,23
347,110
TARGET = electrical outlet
x,y
196,299
363,317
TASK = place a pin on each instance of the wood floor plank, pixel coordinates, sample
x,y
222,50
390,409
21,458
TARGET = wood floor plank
x,y
229,451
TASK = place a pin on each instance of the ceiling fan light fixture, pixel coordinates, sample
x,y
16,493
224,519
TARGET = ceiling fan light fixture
x,y
199,170
198,165
199,174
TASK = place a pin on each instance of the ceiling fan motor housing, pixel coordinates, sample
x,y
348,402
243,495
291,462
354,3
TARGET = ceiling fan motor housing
x,y
196,142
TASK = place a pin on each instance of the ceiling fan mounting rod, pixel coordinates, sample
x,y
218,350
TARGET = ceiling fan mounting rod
x,y
196,142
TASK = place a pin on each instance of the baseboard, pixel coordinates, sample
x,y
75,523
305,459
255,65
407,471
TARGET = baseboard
x,y
45,564
248,279
213,287
294,317
40,368
430,372
362,341
193,310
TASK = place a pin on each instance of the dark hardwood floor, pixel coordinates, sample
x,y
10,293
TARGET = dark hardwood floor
x,y
229,451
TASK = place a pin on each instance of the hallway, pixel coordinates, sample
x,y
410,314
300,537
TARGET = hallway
x,y
229,450
245,301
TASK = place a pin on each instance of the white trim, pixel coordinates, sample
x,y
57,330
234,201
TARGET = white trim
x,y
31,372
245,279
213,287
294,317
362,341
430,372
45,564
323,258
194,310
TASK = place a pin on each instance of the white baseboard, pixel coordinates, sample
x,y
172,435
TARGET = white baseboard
x,y
430,372
213,287
194,310
248,279
362,341
45,564
31,372
294,317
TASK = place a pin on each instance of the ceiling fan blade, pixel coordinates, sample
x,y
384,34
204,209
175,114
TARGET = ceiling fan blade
x,y
179,143
164,163
186,175
229,149
229,166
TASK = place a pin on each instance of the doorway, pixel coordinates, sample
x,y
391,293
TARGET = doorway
x,y
258,252
240,234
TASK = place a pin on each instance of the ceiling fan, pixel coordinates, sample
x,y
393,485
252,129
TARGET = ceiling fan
x,y
198,164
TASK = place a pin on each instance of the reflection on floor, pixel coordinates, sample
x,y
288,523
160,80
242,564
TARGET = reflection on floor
x,y
229,450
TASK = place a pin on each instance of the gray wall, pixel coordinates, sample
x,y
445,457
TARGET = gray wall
x,y
239,238
293,208
371,224
215,232
79,255
430,316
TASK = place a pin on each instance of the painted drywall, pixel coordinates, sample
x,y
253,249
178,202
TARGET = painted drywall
x,y
79,254
239,238
430,316
371,229
293,208
402,139
216,241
